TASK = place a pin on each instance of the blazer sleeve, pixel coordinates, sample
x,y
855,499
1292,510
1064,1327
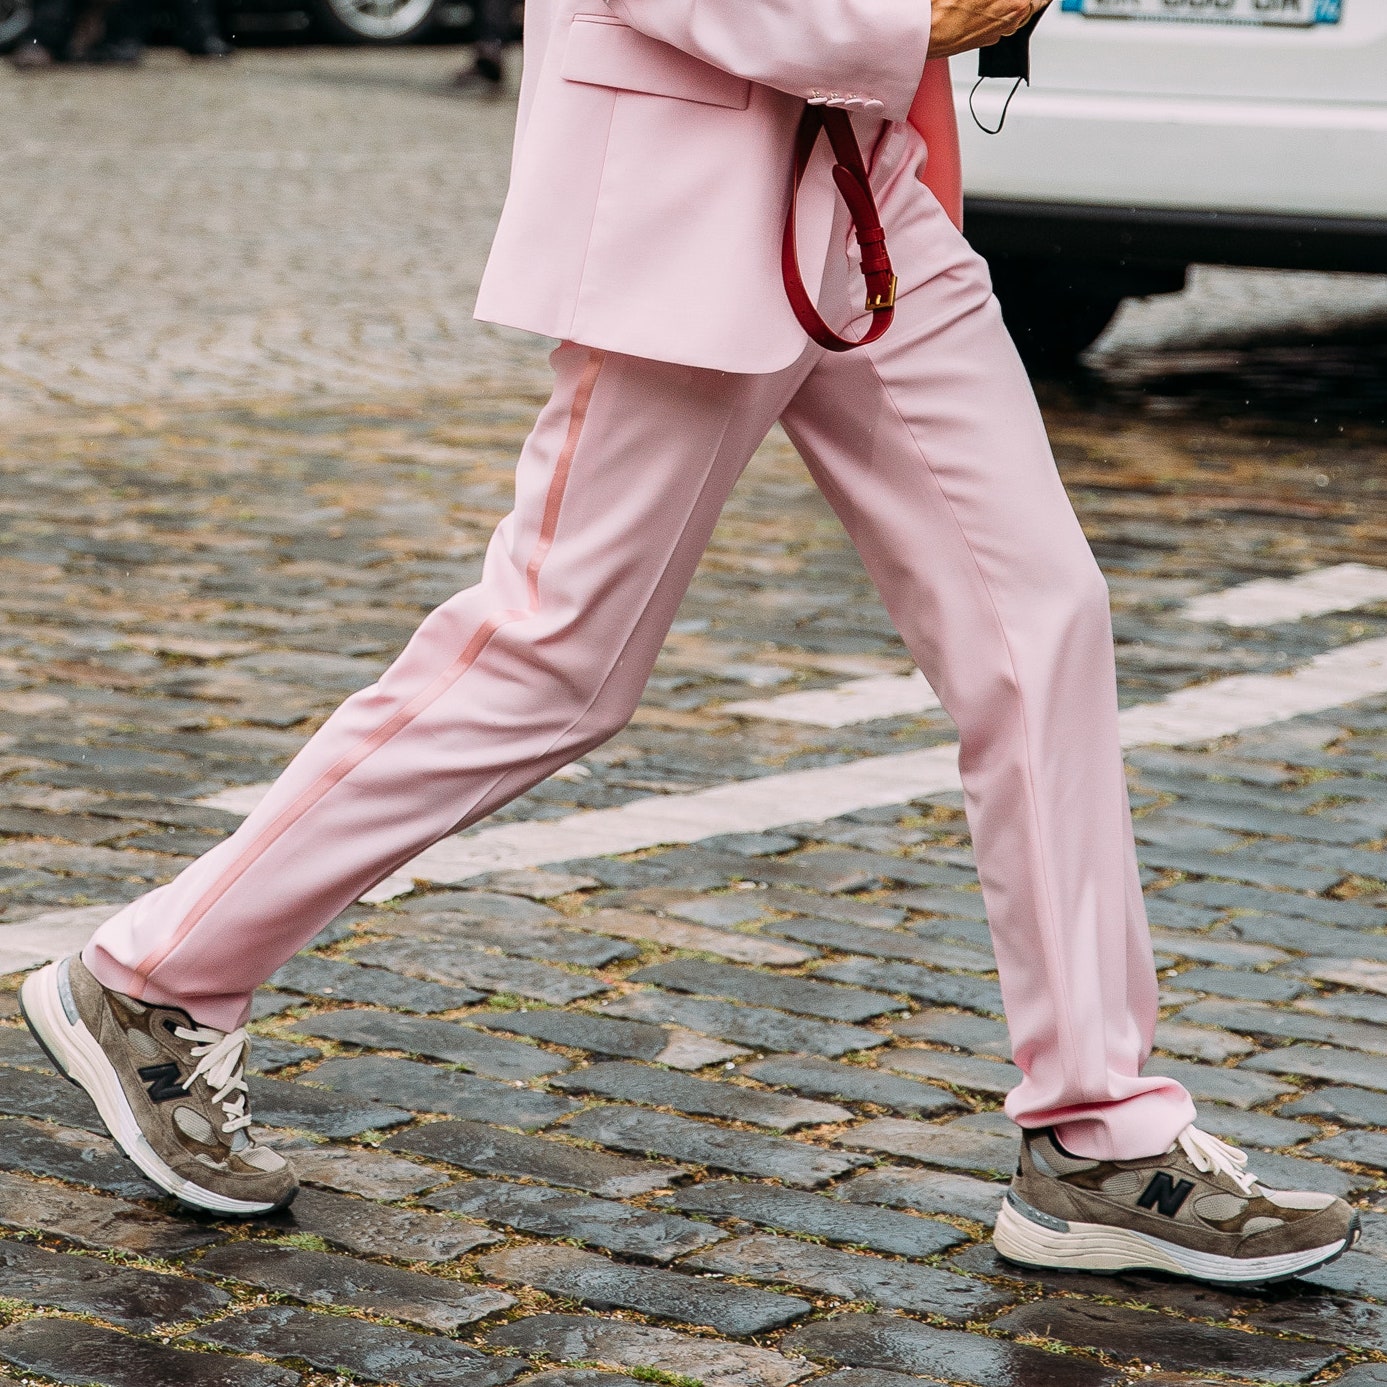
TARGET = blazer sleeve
x,y
872,49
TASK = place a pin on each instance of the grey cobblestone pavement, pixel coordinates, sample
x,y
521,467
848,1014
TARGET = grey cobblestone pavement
x,y
300,221
722,1112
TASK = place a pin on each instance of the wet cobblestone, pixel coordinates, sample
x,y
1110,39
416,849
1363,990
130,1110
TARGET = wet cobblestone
x,y
368,1352
63,1351
671,1295
602,1223
377,1230
757,1077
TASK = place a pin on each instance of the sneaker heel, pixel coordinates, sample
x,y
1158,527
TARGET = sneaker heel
x,y
35,1032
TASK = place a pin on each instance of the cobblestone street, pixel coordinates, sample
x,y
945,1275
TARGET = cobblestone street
x,y
717,1106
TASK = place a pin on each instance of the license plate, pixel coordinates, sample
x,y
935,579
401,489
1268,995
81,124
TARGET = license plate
x,y
1295,14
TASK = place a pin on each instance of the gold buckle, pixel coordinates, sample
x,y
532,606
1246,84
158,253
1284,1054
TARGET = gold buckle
x,y
878,303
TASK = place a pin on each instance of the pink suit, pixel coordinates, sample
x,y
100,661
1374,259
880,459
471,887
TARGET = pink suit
x,y
928,445
650,173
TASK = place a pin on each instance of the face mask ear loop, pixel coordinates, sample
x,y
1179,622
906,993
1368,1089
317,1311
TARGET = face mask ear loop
x,y
1006,105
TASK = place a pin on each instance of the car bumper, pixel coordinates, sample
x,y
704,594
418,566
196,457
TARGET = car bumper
x,y
1300,175
1141,238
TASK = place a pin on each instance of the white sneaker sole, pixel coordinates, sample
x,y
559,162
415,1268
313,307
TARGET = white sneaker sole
x,y
1035,1239
78,1056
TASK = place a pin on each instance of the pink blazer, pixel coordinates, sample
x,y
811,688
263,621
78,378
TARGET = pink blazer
x,y
651,167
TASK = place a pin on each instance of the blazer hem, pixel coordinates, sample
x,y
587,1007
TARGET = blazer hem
x,y
766,364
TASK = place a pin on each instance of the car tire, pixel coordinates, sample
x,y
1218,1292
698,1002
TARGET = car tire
x,y
374,21
15,18
1052,313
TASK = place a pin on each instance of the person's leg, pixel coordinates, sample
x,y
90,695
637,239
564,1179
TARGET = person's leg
x,y
617,492
199,30
491,31
127,31
931,449
52,26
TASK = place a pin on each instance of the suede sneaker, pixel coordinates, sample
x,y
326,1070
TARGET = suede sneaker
x,y
171,1092
1194,1211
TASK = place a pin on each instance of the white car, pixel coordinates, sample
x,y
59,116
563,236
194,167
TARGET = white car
x,y
1160,133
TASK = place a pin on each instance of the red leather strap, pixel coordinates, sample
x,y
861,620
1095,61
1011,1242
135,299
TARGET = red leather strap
x,y
850,174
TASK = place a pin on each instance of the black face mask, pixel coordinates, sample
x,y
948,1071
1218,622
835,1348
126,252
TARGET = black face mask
x,y
1008,57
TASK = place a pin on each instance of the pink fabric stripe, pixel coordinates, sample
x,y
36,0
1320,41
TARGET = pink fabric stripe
x,y
419,703
554,500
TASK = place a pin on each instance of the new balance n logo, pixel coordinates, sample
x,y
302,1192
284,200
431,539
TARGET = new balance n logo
x,y
165,1081
1163,1194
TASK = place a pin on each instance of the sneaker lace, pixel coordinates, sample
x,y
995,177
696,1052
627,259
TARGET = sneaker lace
x,y
221,1060
1215,1157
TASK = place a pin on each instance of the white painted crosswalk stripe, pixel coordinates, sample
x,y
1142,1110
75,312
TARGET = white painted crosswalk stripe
x,y
239,799
1244,701
1265,602
1269,601
1207,711
1201,713
859,700
744,806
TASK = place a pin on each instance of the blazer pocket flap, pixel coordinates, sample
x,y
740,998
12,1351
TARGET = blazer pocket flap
x,y
605,54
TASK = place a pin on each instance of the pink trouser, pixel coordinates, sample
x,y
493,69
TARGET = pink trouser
x,y
930,448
